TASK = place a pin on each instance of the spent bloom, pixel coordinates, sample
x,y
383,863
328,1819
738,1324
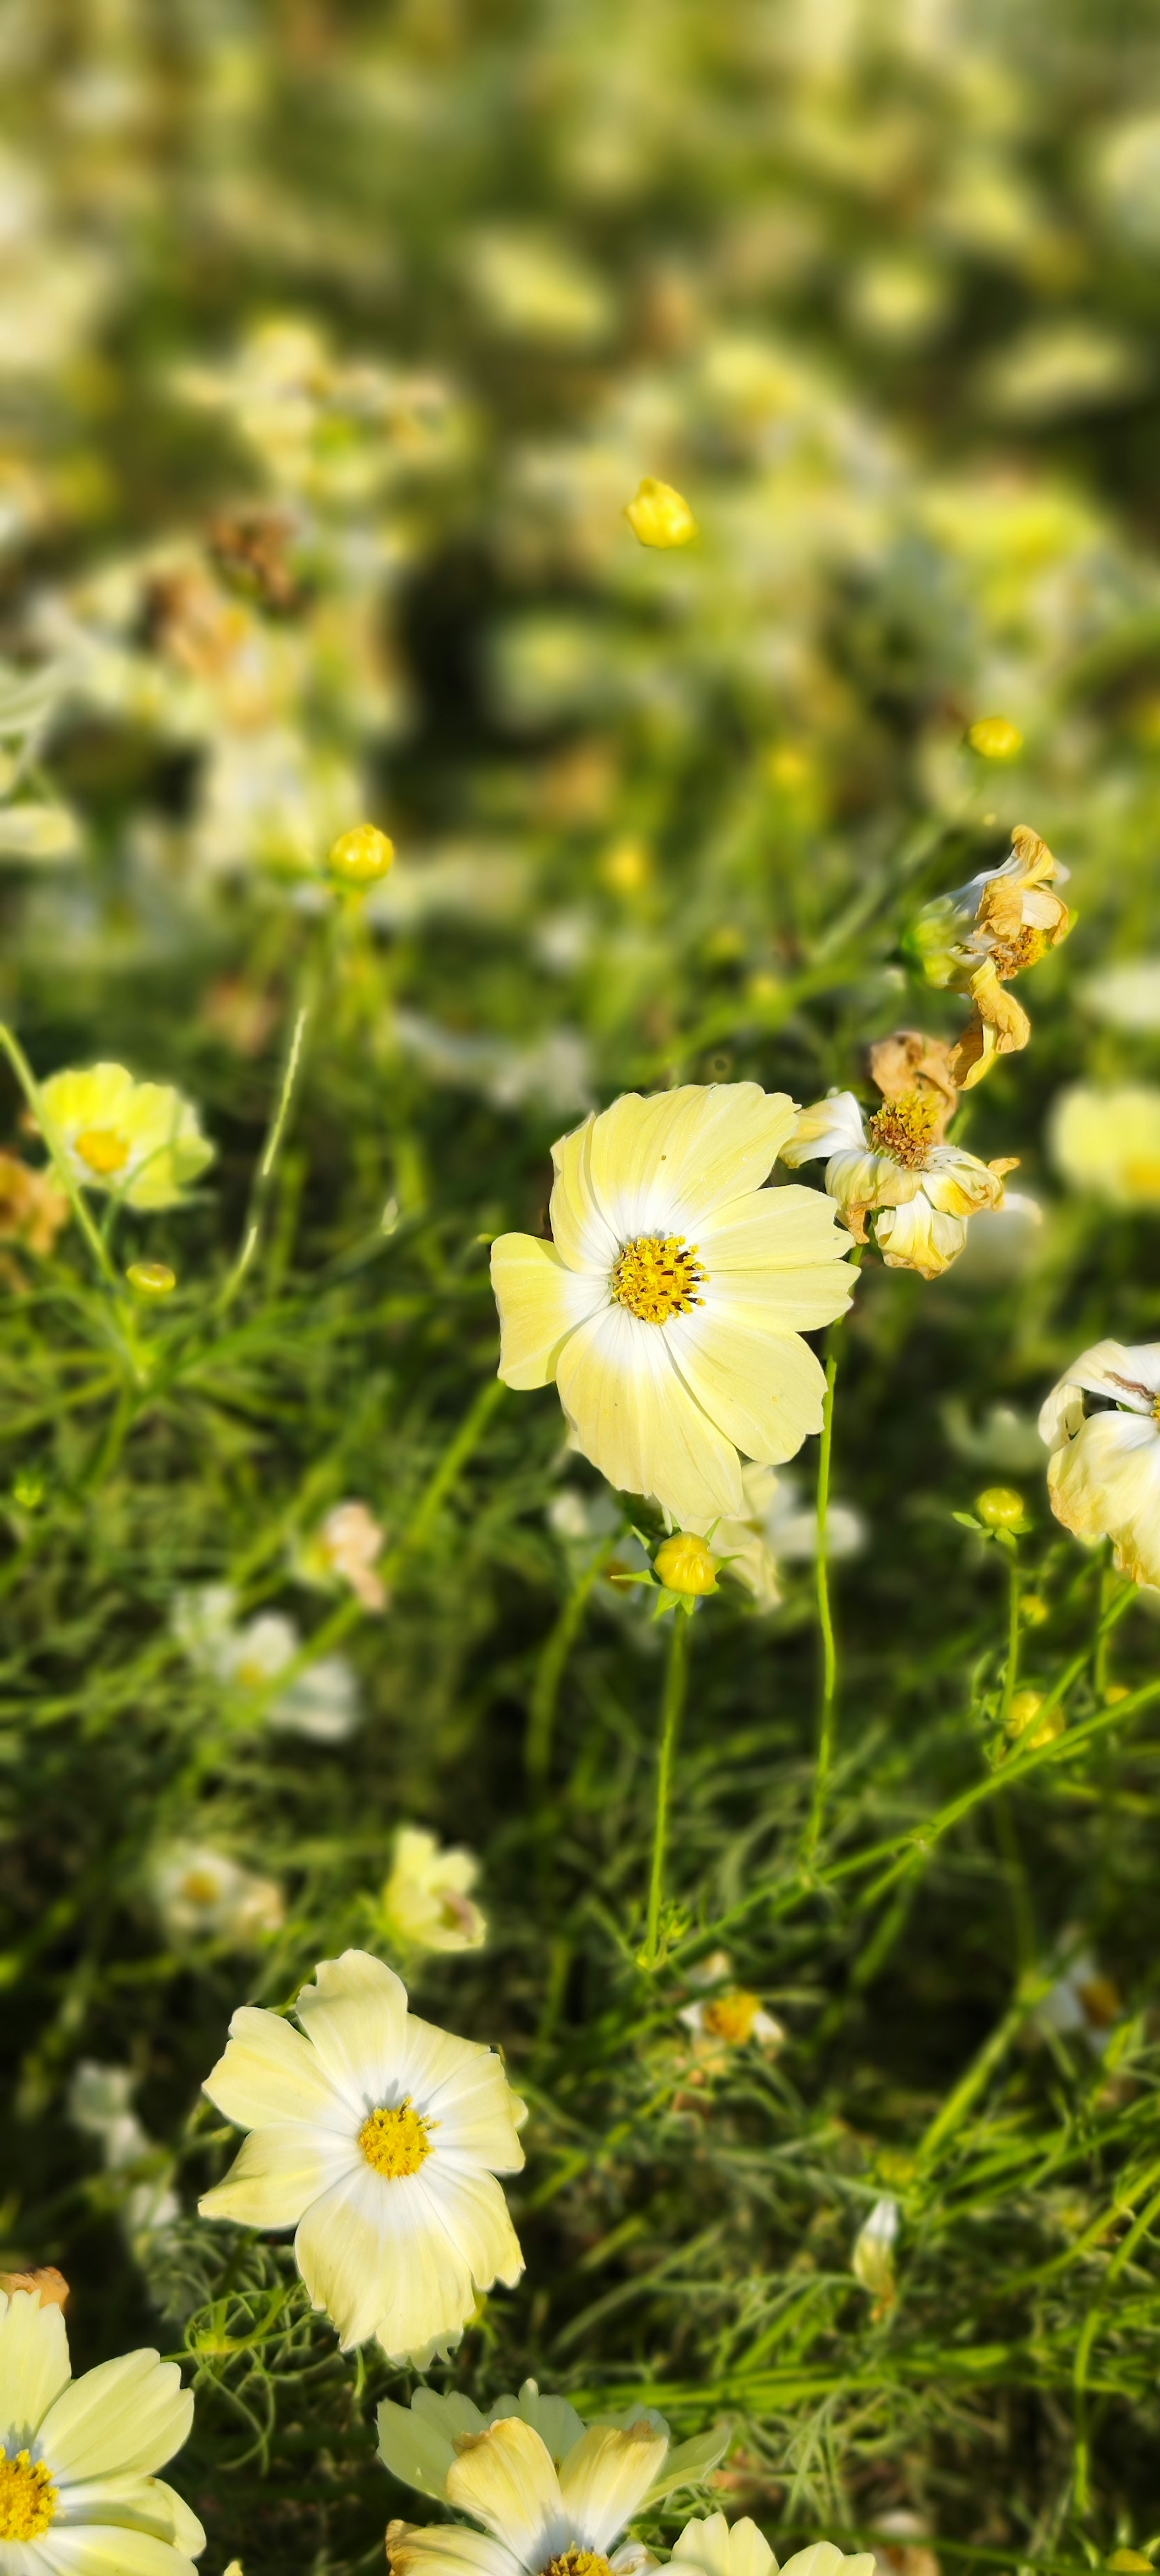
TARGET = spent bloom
x,y
669,1306
421,2443
79,2493
200,1891
139,1140
1103,1475
347,1546
715,2548
426,1903
377,2138
895,1174
1108,1141
660,516
976,940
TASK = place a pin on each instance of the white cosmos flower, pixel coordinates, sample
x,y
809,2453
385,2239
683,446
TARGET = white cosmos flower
x,y
199,1890
78,2493
669,1305
1104,1472
322,1702
717,2550
538,2521
916,1191
420,2443
378,2138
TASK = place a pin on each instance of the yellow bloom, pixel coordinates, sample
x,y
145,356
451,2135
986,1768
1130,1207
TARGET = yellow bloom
x,y
1108,1142
378,2138
897,1176
140,1140
421,2443
426,1901
659,516
668,1308
78,2457
976,940
712,2547
733,2017
1104,1474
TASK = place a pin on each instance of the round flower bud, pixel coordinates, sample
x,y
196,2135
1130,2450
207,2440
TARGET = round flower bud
x,y
151,1278
362,857
1000,1507
685,1563
1024,1708
995,738
659,516
1033,1609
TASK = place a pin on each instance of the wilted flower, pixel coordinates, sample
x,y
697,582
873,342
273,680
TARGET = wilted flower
x,y
139,1140
670,1304
78,2458
100,2102
976,940
348,1544
321,1702
345,2115
199,1890
872,2261
717,2549
32,1208
425,1901
1108,1142
896,1175
421,2443
659,516
1104,1473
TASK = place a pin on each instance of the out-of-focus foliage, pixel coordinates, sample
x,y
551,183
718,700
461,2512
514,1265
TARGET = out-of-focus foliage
x,y
334,340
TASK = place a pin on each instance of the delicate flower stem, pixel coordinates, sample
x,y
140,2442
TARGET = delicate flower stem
x,y
249,1244
1014,1581
553,1658
676,1675
827,1708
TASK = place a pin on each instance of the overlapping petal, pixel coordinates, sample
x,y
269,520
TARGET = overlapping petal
x,y
505,2478
606,2477
637,1420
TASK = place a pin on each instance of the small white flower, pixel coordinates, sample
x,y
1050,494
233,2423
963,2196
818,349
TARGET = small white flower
x,y
710,2545
100,2102
898,1175
426,1901
321,1702
1082,2003
78,2491
377,2137
199,1890
1104,1473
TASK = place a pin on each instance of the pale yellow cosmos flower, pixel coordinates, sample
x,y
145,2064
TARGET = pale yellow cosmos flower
x,y
426,1902
710,2545
1104,1473
669,1307
378,2138
78,2457
200,1891
1108,1141
421,2443
139,1140
896,1175
538,2520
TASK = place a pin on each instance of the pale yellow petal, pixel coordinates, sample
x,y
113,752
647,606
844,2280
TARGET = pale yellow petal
x,y
582,1230
763,1390
605,2479
270,2072
93,2549
475,2217
635,1419
958,1183
704,2543
34,2364
784,1229
540,1302
135,2504
827,1127
125,2417
446,2549
664,1162
823,2559
506,2479
374,2253
354,2016
280,2170
1106,1483
1128,1373
463,2087
919,1237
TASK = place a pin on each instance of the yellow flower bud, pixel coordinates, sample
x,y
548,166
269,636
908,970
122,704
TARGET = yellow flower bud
x,y
1025,1706
627,865
685,1563
1033,1609
995,738
659,516
362,857
999,1507
151,1278
1130,2560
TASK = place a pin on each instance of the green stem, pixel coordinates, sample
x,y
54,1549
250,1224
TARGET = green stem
x,y
550,1669
676,1675
1014,1580
1092,2322
58,1157
251,1237
827,1706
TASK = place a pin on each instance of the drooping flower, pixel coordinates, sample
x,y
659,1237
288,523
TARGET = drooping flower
x,y
425,1901
670,1304
139,1140
198,1890
1103,1476
895,1175
378,2138
716,2549
976,940
348,1545
79,2494
1108,1142
420,2443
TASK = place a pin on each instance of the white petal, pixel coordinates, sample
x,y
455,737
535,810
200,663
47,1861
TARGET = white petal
x,y
354,2016
829,1127
279,2171
446,2549
540,1302
1107,1483
34,2365
463,2087
471,2208
137,2504
823,2559
270,2072
582,1230
919,1237
763,1390
506,2479
787,1228
95,2549
635,1419
607,2476
704,2543
125,2416
375,2255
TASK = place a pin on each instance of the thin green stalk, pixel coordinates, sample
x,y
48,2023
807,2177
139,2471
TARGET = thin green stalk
x,y
252,1235
1014,1582
59,1159
827,1706
550,1669
676,1675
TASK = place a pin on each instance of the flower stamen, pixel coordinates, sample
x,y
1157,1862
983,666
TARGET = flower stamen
x,y
907,1128
396,2141
578,2562
103,1150
658,1276
27,2497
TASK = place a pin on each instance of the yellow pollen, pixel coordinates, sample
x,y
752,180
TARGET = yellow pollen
x,y
27,2497
578,2562
103,1150
1025,948
396,2142
906,1129
731,2017
658,1275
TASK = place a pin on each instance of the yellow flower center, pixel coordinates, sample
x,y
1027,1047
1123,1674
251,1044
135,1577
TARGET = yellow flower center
x,y
906,1129
658,1275
103,1150
396,2142
731,2017
200,1887
27,2497
1024,948
1142,1174
578,2562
